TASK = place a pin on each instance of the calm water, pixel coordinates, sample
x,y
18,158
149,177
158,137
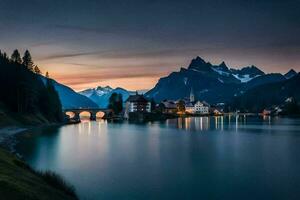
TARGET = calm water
x,y
193,158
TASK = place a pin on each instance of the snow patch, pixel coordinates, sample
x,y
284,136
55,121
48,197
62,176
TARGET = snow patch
x,y
185,80
244,78
203,91
219,71
221,80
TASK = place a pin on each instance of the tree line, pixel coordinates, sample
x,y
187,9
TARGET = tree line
x,y
24,91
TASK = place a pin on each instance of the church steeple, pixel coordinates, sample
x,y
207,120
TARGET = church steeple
x,y
192,96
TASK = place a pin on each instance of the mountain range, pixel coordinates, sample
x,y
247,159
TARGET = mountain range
x,y
100,95
213,83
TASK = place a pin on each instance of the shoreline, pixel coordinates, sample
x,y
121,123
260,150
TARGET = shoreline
x,y
8,134
34,183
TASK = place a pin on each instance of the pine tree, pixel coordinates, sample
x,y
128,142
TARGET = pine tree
x,y
153,105
50,102
116,103
37,70
181,106
15,57
27,60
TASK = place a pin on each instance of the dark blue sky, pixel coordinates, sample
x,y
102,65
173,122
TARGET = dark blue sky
x,y
120,43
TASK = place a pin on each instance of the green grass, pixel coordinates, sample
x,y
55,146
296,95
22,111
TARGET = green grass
x,y
20,181
56,181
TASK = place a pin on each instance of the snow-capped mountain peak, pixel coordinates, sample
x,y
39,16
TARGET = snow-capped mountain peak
x,y
100,95
290,74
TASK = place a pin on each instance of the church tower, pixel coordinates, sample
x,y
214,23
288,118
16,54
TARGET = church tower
x,y
192,96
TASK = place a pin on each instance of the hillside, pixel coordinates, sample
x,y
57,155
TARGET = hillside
x,y
18,181
69,98
264,96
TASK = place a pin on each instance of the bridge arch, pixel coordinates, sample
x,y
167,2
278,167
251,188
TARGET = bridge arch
x,y
70,114
100,114
92,113
85,114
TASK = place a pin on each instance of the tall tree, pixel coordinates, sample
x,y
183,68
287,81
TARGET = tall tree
x,y
15,57
47,75
27,60
50,102
37,70
116,103
181,106
153,105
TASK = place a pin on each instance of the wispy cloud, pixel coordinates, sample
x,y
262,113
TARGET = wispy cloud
x,y
67,55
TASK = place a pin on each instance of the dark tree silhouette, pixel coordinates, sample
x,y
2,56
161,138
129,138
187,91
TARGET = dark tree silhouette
x,y
47,75
116,103
153,105
50,103
27,60
37,70
292,107
23,93
181,106
15,57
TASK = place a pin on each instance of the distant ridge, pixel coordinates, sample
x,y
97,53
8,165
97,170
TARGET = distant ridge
x,y
100,95
290,74
69,98
212,83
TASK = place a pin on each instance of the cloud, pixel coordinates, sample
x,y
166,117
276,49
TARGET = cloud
x,y
77,80
67,55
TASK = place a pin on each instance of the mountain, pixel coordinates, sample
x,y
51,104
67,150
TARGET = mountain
x,y
247,73
212,83
100,95
264,96
290,74
69,98
265,79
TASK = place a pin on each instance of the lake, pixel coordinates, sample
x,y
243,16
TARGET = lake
x,y
187,158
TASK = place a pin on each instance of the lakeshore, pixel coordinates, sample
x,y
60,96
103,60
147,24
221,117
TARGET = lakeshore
x,y
33,184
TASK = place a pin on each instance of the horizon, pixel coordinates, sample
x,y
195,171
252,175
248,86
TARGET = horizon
x,y
97,43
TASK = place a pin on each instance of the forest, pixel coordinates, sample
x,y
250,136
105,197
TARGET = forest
x,y
23,94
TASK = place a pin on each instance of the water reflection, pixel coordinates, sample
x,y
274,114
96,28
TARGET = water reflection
x,y
220,123
88,127
152,160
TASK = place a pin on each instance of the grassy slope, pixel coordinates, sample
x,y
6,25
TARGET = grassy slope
x,y
19,182
8,118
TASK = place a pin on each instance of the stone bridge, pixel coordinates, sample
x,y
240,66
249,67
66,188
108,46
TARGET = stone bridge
x,y
93,112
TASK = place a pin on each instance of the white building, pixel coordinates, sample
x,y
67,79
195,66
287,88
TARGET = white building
x,y
136,103
201,108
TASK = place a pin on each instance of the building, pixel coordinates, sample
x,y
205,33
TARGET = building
x,y
201,108
168,107
215,111
267,112
189,108
137,104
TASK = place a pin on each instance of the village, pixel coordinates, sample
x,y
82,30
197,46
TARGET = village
x,y
138,107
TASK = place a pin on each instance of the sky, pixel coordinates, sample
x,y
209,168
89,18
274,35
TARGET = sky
x,y
132,43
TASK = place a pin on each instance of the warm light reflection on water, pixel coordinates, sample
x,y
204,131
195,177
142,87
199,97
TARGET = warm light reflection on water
x,y
205,123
